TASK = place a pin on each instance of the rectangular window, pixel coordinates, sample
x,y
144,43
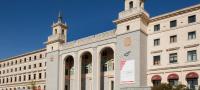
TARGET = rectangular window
x,y
20,68
40,64
40,75
173,58
192,55
192,19
24,67
156,60
29,77
24,77
34,76
29,66
156,42
24,59
29,58
45,75
35,57
40,55
127,27
15,79
35,66
191,35
173,39
173,23
157,27
19,78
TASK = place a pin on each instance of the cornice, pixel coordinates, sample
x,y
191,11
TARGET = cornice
x,y
26,83
139,15
190,46
25,54
175,13
177,67
50,42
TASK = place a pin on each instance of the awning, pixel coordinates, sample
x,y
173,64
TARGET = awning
x,y
192,75
156,77
173,77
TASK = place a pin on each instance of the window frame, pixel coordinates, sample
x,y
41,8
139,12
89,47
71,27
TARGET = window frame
x,y
173,58
157,42
173,23
192,35
173,39
192,19
156,27
192,56
156,60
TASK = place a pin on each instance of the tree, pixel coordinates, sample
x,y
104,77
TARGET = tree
x,y
165,86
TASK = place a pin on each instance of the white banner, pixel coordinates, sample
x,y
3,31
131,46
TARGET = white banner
x,y
127,71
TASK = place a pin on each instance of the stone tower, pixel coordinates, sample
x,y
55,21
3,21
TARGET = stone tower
x,y
131,66
59,35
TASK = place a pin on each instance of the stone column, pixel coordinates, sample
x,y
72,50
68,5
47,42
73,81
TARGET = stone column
x,y
78,68
76,82
98,71
62,74
94,69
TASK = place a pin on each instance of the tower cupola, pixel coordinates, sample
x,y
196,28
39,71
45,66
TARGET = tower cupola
x,y
59,33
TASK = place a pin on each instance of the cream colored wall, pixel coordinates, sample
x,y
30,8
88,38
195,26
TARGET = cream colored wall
x,y
23,72
164,34
134,25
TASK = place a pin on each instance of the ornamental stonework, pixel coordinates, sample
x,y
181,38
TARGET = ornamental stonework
x,y
127,41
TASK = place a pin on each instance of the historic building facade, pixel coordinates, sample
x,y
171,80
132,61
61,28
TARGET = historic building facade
x,y
141,52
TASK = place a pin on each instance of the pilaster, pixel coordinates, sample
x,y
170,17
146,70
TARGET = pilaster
x,y
94,69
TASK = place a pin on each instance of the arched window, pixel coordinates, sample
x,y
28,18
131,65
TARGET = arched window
x,y
173,79
131,4
156,80
192,80
56,31
63,31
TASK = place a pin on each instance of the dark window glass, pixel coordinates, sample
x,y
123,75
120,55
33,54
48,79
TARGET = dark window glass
x,y
34,76
157,27
173,23
156,82
191,35
173,39
131,4
40,64
192,19
40,75
40,55
192,56
127,27
29,66
173,58
192,83
24,77
173,82
35,57
156,42
63,31
156,60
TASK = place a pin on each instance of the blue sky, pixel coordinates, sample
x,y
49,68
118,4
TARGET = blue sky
x,y
26,24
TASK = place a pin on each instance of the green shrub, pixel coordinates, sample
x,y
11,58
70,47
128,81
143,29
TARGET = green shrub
x,y
165,86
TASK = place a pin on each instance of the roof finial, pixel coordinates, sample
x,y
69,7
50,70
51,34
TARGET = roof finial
x,y
59,17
